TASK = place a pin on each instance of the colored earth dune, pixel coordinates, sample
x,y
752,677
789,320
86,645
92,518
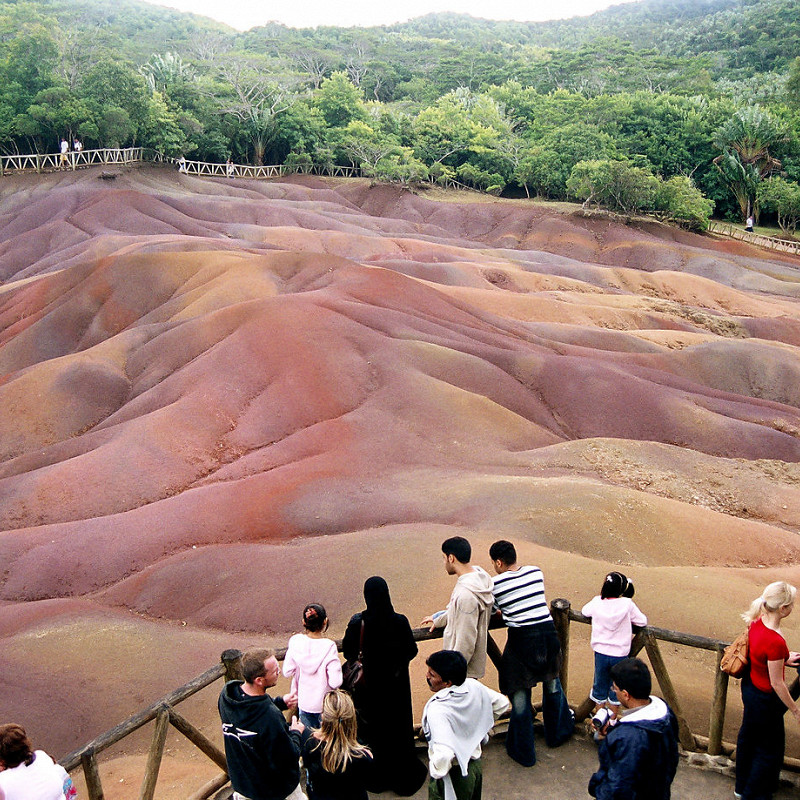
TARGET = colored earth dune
x,y
222,400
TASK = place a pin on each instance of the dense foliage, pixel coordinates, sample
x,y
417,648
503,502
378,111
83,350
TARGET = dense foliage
x,y
695,102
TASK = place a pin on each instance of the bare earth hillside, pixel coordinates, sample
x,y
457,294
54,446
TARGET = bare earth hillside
x,y
222,400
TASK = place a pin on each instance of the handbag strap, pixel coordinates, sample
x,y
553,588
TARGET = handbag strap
x,y
361,642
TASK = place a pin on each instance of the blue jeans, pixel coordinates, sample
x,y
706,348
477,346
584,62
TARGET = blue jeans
x,y
310,720
558,719
601,689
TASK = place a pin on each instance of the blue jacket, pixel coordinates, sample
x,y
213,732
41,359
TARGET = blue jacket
x,y
639,757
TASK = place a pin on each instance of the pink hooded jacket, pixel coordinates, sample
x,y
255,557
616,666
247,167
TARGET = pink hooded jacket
x,y
315,669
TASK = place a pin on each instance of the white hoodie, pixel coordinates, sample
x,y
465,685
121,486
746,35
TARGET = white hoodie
x,y
466,619
315,669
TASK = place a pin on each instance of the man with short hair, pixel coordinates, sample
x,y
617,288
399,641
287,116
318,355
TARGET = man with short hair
x,y
263,752
456,721
466,618
532,655
639,756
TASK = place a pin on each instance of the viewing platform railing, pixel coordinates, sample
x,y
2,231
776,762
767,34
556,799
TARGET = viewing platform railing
x,y
164,714
770,242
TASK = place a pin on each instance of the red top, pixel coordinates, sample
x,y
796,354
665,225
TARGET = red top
x,y
765,645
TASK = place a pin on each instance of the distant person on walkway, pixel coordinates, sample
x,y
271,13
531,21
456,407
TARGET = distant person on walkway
x,y
456,721
761,741
639,757
613,614
466,618
748,225
262,750
28,774
383,701
312,662
77,145
338,766
64,159
182,165
230,168
532,655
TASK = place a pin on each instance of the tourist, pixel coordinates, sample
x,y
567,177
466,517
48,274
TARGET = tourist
x,y
262,751
748,225
456,721
64,159
613,614
532,655
466,618
312,662
230,168
383,701
760,745
28,774
338,766
639,757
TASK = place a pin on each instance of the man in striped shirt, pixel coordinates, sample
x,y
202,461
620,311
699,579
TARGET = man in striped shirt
x,y
532,655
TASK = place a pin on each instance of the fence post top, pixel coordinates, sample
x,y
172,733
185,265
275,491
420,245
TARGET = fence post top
x,y
560,604
230,655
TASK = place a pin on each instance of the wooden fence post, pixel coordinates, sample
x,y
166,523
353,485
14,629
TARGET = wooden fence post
x,y
232,661
155,755
668,690
198,739
92,776
718,702
559,609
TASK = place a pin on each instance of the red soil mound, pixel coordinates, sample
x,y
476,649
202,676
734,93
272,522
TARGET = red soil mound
x,y
223,399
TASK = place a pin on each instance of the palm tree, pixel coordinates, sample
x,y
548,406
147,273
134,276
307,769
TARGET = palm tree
x,y
745,140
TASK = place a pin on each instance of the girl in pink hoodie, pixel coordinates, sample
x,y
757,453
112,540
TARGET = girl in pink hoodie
x,y
613,616
312,662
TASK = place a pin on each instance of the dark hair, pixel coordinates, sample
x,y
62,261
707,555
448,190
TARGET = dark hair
x,y
253,664
632,675
315,618
616,585
459,547
503,551
450,665
15,746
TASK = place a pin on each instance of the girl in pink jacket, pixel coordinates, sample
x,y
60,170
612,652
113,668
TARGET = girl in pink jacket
x,y
312,662
613,615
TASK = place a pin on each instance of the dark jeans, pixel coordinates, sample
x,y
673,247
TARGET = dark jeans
x,y
760,745
558,719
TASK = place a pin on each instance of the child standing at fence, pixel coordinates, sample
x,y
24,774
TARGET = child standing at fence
x,y
312,662
613,614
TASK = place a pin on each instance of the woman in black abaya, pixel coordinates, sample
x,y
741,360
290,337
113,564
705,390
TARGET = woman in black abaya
x,y
383,701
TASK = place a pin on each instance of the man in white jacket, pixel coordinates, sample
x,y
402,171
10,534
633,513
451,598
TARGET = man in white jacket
x,y
466,618
456,722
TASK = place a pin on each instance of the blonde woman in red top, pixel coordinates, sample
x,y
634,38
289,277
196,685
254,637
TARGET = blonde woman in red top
x,y
760,746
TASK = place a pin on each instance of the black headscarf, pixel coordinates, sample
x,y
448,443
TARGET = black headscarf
x,y
379,604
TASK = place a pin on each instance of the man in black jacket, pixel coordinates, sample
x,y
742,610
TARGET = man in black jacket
x,y
262,750
639,756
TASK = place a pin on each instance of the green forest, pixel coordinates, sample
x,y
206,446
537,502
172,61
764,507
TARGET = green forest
x,y
678,108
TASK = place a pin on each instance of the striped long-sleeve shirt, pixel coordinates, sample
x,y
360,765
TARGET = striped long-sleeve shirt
x,y
519,594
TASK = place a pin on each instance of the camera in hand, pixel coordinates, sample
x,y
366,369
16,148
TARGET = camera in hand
x,y
600,718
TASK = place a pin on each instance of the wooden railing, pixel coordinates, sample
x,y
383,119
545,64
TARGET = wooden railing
x,y
164,714
770,242
48,162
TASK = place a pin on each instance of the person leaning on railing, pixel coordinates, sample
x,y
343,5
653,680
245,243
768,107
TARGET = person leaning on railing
x,y
761,741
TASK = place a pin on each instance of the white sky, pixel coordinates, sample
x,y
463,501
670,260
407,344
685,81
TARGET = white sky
x,y
245,14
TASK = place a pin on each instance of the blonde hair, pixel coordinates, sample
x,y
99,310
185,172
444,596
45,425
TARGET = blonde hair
x,y
777,595
338,732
